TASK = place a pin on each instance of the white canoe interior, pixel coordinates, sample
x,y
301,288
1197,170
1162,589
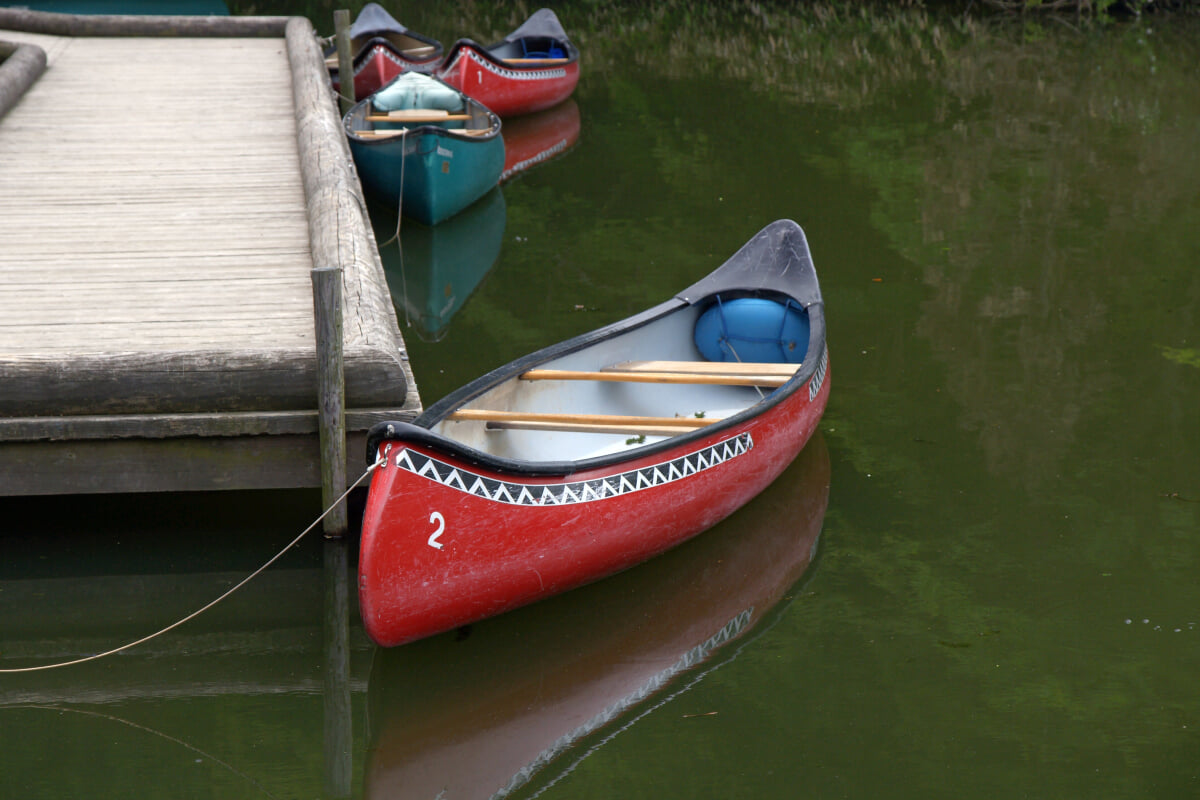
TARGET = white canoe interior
x,y
619,394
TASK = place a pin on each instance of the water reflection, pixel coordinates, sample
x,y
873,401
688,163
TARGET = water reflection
x,y
481,712
200,710
339,736
432,271
534,139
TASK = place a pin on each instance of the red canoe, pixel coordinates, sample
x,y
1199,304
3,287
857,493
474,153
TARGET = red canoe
x,y
383,48
597,453
534,68
516,701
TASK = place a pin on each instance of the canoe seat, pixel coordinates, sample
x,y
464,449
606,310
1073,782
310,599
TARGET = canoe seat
x,y
581,423
687,372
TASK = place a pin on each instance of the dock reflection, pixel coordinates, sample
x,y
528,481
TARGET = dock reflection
x,y
479,712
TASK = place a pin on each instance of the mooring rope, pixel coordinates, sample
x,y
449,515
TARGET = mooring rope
x,y
199,611
400,191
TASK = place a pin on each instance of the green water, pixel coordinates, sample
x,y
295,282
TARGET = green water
x,y
1004,601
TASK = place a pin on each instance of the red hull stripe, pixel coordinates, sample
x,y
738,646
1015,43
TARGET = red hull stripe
x,y
557,494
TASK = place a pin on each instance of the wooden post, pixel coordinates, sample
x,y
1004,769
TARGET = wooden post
x,y
341,27
331,393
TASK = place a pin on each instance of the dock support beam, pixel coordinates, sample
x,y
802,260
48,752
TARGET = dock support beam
x,y
331,393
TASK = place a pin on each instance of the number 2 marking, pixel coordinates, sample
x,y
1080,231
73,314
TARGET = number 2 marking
x,y
437,519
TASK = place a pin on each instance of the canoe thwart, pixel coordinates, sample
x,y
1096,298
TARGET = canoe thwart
x,y
386,134
581,427
682,372
581,423
417,115
536,61
708,367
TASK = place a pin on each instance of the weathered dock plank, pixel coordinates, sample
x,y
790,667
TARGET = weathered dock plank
x,y
163,201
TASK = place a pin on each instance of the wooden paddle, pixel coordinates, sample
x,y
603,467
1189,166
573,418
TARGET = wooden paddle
x,y
581,427
536,61
364,134
417,115
708,367
384,134
581,423
677,372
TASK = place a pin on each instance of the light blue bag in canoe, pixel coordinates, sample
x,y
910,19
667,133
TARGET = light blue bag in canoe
x,y
753,329
414,90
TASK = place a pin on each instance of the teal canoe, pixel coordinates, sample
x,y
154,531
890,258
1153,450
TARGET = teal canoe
x,y
424,147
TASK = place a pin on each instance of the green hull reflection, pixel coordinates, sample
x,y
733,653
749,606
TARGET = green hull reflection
x,y
434,270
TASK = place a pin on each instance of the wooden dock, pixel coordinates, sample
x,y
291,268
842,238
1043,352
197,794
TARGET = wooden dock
x,y
167,187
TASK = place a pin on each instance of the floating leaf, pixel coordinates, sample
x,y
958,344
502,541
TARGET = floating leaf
x,y
1188,356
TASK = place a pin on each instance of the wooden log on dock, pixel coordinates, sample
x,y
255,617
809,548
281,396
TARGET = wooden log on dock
x,y
55,24
20,66
184,382
339,231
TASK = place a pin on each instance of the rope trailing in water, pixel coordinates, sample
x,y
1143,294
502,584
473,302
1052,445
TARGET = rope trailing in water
x,y
199,611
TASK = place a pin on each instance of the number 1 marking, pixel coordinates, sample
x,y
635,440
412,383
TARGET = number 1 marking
x,y
437,519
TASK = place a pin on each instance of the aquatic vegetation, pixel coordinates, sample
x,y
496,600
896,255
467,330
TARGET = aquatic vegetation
x,y
1188,356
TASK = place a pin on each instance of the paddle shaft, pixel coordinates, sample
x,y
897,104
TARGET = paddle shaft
x,y
574,427
387,134
536,61
729,379
614,422
394,117
707,367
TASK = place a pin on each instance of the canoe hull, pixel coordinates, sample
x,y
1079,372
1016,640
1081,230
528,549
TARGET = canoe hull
x,y
429,176
506,88
445,543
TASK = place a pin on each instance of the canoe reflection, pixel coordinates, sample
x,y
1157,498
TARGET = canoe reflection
x,y
433,270
476,713
537,138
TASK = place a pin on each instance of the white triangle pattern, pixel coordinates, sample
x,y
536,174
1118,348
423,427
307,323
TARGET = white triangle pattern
x,y
814,383
557,494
